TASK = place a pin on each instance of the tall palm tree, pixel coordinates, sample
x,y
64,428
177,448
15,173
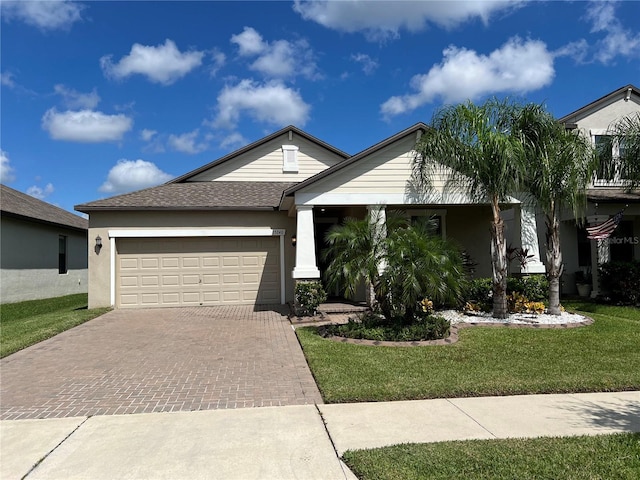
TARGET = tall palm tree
x,y
560,165
484,161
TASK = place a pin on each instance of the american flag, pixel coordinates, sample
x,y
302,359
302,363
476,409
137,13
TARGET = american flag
x,y
604,230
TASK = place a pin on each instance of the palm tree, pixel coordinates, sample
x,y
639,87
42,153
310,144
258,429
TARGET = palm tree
x,y
560,165
484,162
403,267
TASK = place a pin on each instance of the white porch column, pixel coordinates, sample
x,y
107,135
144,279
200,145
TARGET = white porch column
x,y
526,217
306,264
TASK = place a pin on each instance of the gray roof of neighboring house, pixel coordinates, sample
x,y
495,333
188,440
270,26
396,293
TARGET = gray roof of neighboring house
x,y
571,117
196,196
18,204
256,144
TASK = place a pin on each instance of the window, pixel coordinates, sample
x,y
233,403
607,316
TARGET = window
x,y
433,218
289,159
62,254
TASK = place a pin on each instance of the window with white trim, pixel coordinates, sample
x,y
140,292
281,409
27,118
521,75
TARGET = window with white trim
x,y
289,159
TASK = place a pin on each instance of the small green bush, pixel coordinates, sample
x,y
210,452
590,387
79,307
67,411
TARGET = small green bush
x,y
370,326
309,295
621,282
534,287
479,290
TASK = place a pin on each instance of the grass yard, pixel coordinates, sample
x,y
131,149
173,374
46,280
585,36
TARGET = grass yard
x,y
568,458
26,323
486,361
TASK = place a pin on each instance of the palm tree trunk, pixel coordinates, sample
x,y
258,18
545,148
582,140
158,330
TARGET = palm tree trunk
x,y
499,263
554,263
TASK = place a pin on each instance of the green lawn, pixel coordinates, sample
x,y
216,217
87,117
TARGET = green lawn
x,y
485,361
576,458
25,323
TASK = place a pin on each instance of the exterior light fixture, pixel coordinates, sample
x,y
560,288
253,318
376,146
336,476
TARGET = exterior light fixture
x,y
98,246
294,240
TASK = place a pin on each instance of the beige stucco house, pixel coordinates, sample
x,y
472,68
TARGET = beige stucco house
x,y
245,228
43,249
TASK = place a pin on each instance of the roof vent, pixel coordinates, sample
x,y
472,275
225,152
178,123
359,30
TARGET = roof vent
x,y
289,159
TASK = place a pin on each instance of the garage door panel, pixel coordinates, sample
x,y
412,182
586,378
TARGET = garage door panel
x,y
170,280
197,271
170,262
211,279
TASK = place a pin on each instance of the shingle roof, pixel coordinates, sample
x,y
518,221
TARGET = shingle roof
x,y
196,196
15,203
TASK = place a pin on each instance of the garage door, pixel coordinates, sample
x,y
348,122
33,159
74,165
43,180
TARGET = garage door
x,y
162,272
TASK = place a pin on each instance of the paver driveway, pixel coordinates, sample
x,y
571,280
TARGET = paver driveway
x,y
160,360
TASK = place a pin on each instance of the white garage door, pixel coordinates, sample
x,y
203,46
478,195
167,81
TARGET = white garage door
x,y
163,272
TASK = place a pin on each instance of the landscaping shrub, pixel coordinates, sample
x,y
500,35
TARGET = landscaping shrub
x,y
621,282
534,287
371,326
309,295
531,289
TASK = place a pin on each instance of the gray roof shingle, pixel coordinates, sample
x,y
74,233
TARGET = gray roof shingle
x,y
15,203
196,196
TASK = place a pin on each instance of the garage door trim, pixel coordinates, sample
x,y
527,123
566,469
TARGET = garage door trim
x,y
219,232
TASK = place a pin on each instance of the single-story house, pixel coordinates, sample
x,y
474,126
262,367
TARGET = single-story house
x,y
243,229
43,249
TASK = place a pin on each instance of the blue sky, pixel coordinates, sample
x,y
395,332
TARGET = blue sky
x,y
101,98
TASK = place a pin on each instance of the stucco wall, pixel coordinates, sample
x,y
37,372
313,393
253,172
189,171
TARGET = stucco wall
x,y
101,222
29,260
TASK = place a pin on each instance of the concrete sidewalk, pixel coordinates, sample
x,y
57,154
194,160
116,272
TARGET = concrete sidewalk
x,y
288,442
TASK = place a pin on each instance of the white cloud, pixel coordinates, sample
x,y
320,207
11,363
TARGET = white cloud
x,y
271,103
368,64
577,50
617,40
74,99
130,175
40,193
46,15
147,134
6,79
187,142
249,42
278,59
233,140
380,20
6,170
86,126
516,67
219,59
163,64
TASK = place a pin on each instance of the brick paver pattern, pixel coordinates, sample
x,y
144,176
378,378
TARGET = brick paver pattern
x,y
160,360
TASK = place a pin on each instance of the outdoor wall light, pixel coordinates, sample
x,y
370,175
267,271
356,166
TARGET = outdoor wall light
x,y
294,240
98,244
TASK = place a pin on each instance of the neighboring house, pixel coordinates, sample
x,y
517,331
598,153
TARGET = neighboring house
x,y
245,228
43,249
606,197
